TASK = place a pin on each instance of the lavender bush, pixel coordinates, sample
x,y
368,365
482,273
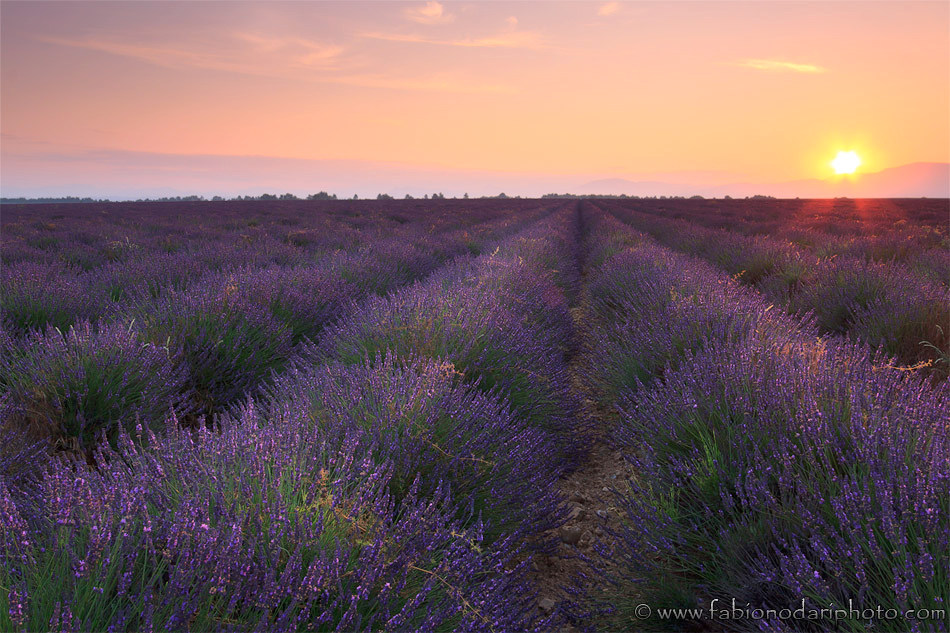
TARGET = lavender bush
x,y
229,344
774,471
428,423
71,388
36,295
263,525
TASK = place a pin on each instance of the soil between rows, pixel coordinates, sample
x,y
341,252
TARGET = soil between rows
x,y
583,561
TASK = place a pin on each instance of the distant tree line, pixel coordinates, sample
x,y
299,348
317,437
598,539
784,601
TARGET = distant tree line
x,y
48,200
323,195
623,195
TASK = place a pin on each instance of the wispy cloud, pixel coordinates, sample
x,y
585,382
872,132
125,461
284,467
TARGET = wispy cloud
x,y
780,66
430,13
608,8
513,39
286,53
433,83
168,57
302,51
287,58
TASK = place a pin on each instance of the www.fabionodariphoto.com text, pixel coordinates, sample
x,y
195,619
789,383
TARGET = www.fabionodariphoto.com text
x,y
731,609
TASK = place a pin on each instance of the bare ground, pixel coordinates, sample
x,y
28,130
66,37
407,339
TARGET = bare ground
x,y
578,568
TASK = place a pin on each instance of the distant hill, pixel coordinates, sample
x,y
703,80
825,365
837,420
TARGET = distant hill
x,y
917,179
931,180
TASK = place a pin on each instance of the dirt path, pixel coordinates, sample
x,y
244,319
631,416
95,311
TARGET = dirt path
x,y
577,568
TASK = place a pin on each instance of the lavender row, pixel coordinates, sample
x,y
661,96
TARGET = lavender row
x,y
885,304
396,491
773,465
501,320
236,329
36,293
282,518
875,229
89,236
200,348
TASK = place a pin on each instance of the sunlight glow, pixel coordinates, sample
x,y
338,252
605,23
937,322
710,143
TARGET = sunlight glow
x,y
846,162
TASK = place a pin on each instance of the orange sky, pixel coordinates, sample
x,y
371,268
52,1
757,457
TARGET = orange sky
x,y
117,96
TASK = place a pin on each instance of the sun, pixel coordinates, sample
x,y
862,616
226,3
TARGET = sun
x,y
846,162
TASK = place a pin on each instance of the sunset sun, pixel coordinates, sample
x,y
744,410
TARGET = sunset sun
x,y
846,162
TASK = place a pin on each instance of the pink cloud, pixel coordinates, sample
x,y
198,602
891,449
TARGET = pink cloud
x,y
431,13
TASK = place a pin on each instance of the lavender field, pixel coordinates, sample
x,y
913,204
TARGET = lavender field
x,y
486,414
